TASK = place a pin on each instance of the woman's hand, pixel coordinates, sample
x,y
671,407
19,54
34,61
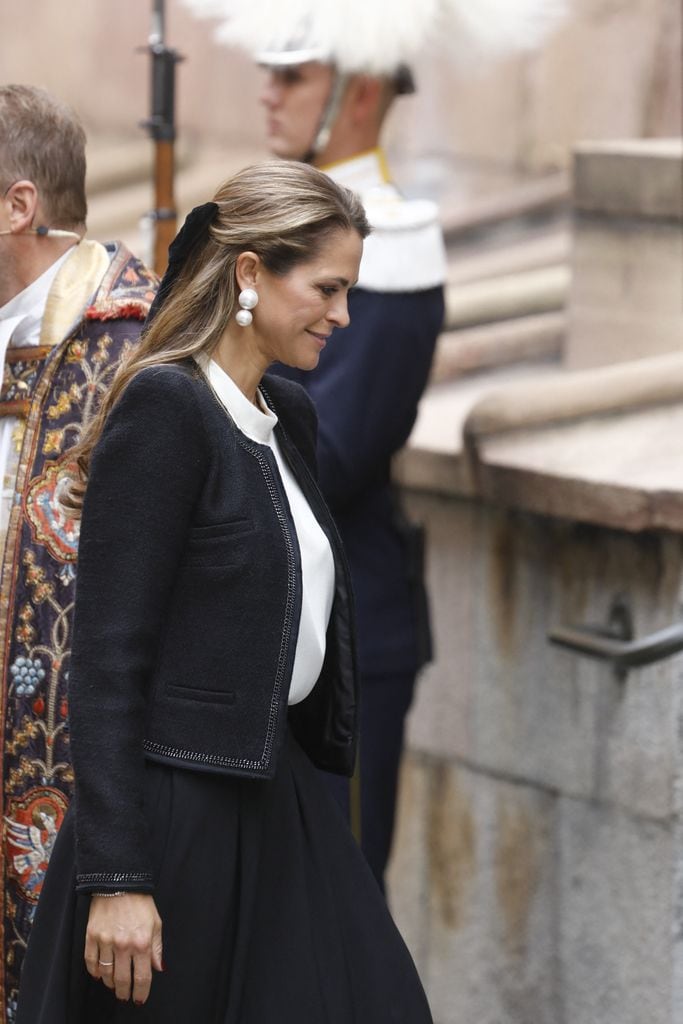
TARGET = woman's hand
x,y
123,943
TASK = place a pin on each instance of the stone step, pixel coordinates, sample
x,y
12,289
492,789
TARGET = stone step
x,y
507,296
534,250
522,200
528,338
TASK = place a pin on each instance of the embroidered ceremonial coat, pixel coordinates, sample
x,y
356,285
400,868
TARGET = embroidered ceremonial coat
x,y
94,314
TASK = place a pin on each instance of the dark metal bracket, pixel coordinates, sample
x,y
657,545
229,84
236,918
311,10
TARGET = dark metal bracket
x,y
615,642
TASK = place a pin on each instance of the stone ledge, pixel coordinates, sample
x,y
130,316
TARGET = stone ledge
x,y
445,473
507,296
615,505
524,199
637,178
524,339
621,471
571,396
600,446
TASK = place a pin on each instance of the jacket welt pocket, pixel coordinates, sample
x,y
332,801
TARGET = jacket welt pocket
x,y
242,524
217,544
198,694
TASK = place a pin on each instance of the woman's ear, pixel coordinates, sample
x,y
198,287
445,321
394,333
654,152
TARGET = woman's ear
x,y
247,270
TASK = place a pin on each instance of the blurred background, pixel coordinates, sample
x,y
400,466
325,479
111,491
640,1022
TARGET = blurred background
x,y
612,71
538,868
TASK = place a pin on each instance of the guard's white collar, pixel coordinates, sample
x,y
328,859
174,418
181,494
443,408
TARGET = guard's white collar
x,y
405,251
362,172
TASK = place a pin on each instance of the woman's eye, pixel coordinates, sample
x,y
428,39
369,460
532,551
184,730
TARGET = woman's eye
x,y
328,290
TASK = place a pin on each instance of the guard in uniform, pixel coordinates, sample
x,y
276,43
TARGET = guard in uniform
x,y
334,70
366,390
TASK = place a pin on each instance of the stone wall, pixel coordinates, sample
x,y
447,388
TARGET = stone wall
x,y
537,852
613,70
626,298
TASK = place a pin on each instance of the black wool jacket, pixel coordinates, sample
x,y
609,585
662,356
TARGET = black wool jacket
x,y
187,611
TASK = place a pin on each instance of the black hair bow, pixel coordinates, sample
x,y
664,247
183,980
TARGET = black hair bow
x,y
193,230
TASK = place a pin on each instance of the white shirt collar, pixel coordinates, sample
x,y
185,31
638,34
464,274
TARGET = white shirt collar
x,y
255,423
27,308
362,173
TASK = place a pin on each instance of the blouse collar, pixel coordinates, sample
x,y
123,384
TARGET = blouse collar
x,y
257,424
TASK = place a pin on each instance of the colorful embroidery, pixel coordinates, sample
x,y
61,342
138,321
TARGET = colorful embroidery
x,y
27,674
21,371
31,826
52,525
36,603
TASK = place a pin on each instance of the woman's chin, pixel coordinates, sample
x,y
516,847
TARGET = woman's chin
x,y
312,362
307,362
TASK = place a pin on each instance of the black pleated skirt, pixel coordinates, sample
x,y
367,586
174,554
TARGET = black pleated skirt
x,y
270,914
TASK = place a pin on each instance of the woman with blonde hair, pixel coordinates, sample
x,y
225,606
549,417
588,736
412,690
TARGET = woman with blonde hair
x,y
204,873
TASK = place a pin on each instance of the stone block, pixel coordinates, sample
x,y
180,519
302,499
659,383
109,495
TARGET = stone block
x,y
501,698
534,713
605,337
627,264
636,759
522,907
489,863
408,869
626,299
440,722
603,62
635,177
615,922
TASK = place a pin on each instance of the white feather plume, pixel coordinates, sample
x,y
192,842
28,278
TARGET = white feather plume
x,y
377,35
499,26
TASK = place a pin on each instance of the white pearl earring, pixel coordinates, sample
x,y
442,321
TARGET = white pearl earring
x,y
248,299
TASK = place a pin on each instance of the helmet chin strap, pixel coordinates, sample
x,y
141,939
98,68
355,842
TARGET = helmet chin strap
x,y
329,116
44,232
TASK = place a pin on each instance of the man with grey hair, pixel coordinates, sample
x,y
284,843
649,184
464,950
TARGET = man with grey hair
x,y
70,309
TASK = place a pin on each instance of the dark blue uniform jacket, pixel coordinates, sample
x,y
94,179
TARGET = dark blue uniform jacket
x,y
366,389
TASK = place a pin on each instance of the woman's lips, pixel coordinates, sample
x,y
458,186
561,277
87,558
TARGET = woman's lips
x,y
320,338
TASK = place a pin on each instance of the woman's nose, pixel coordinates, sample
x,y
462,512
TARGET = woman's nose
x,y
338,313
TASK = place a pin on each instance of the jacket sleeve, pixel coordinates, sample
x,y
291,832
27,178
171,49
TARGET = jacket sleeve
x,y
146,475
368,384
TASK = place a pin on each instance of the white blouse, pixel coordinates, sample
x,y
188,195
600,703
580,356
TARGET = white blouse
x,y
317,564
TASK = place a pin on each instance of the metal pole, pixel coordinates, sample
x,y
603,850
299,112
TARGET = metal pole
x,y
161,127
